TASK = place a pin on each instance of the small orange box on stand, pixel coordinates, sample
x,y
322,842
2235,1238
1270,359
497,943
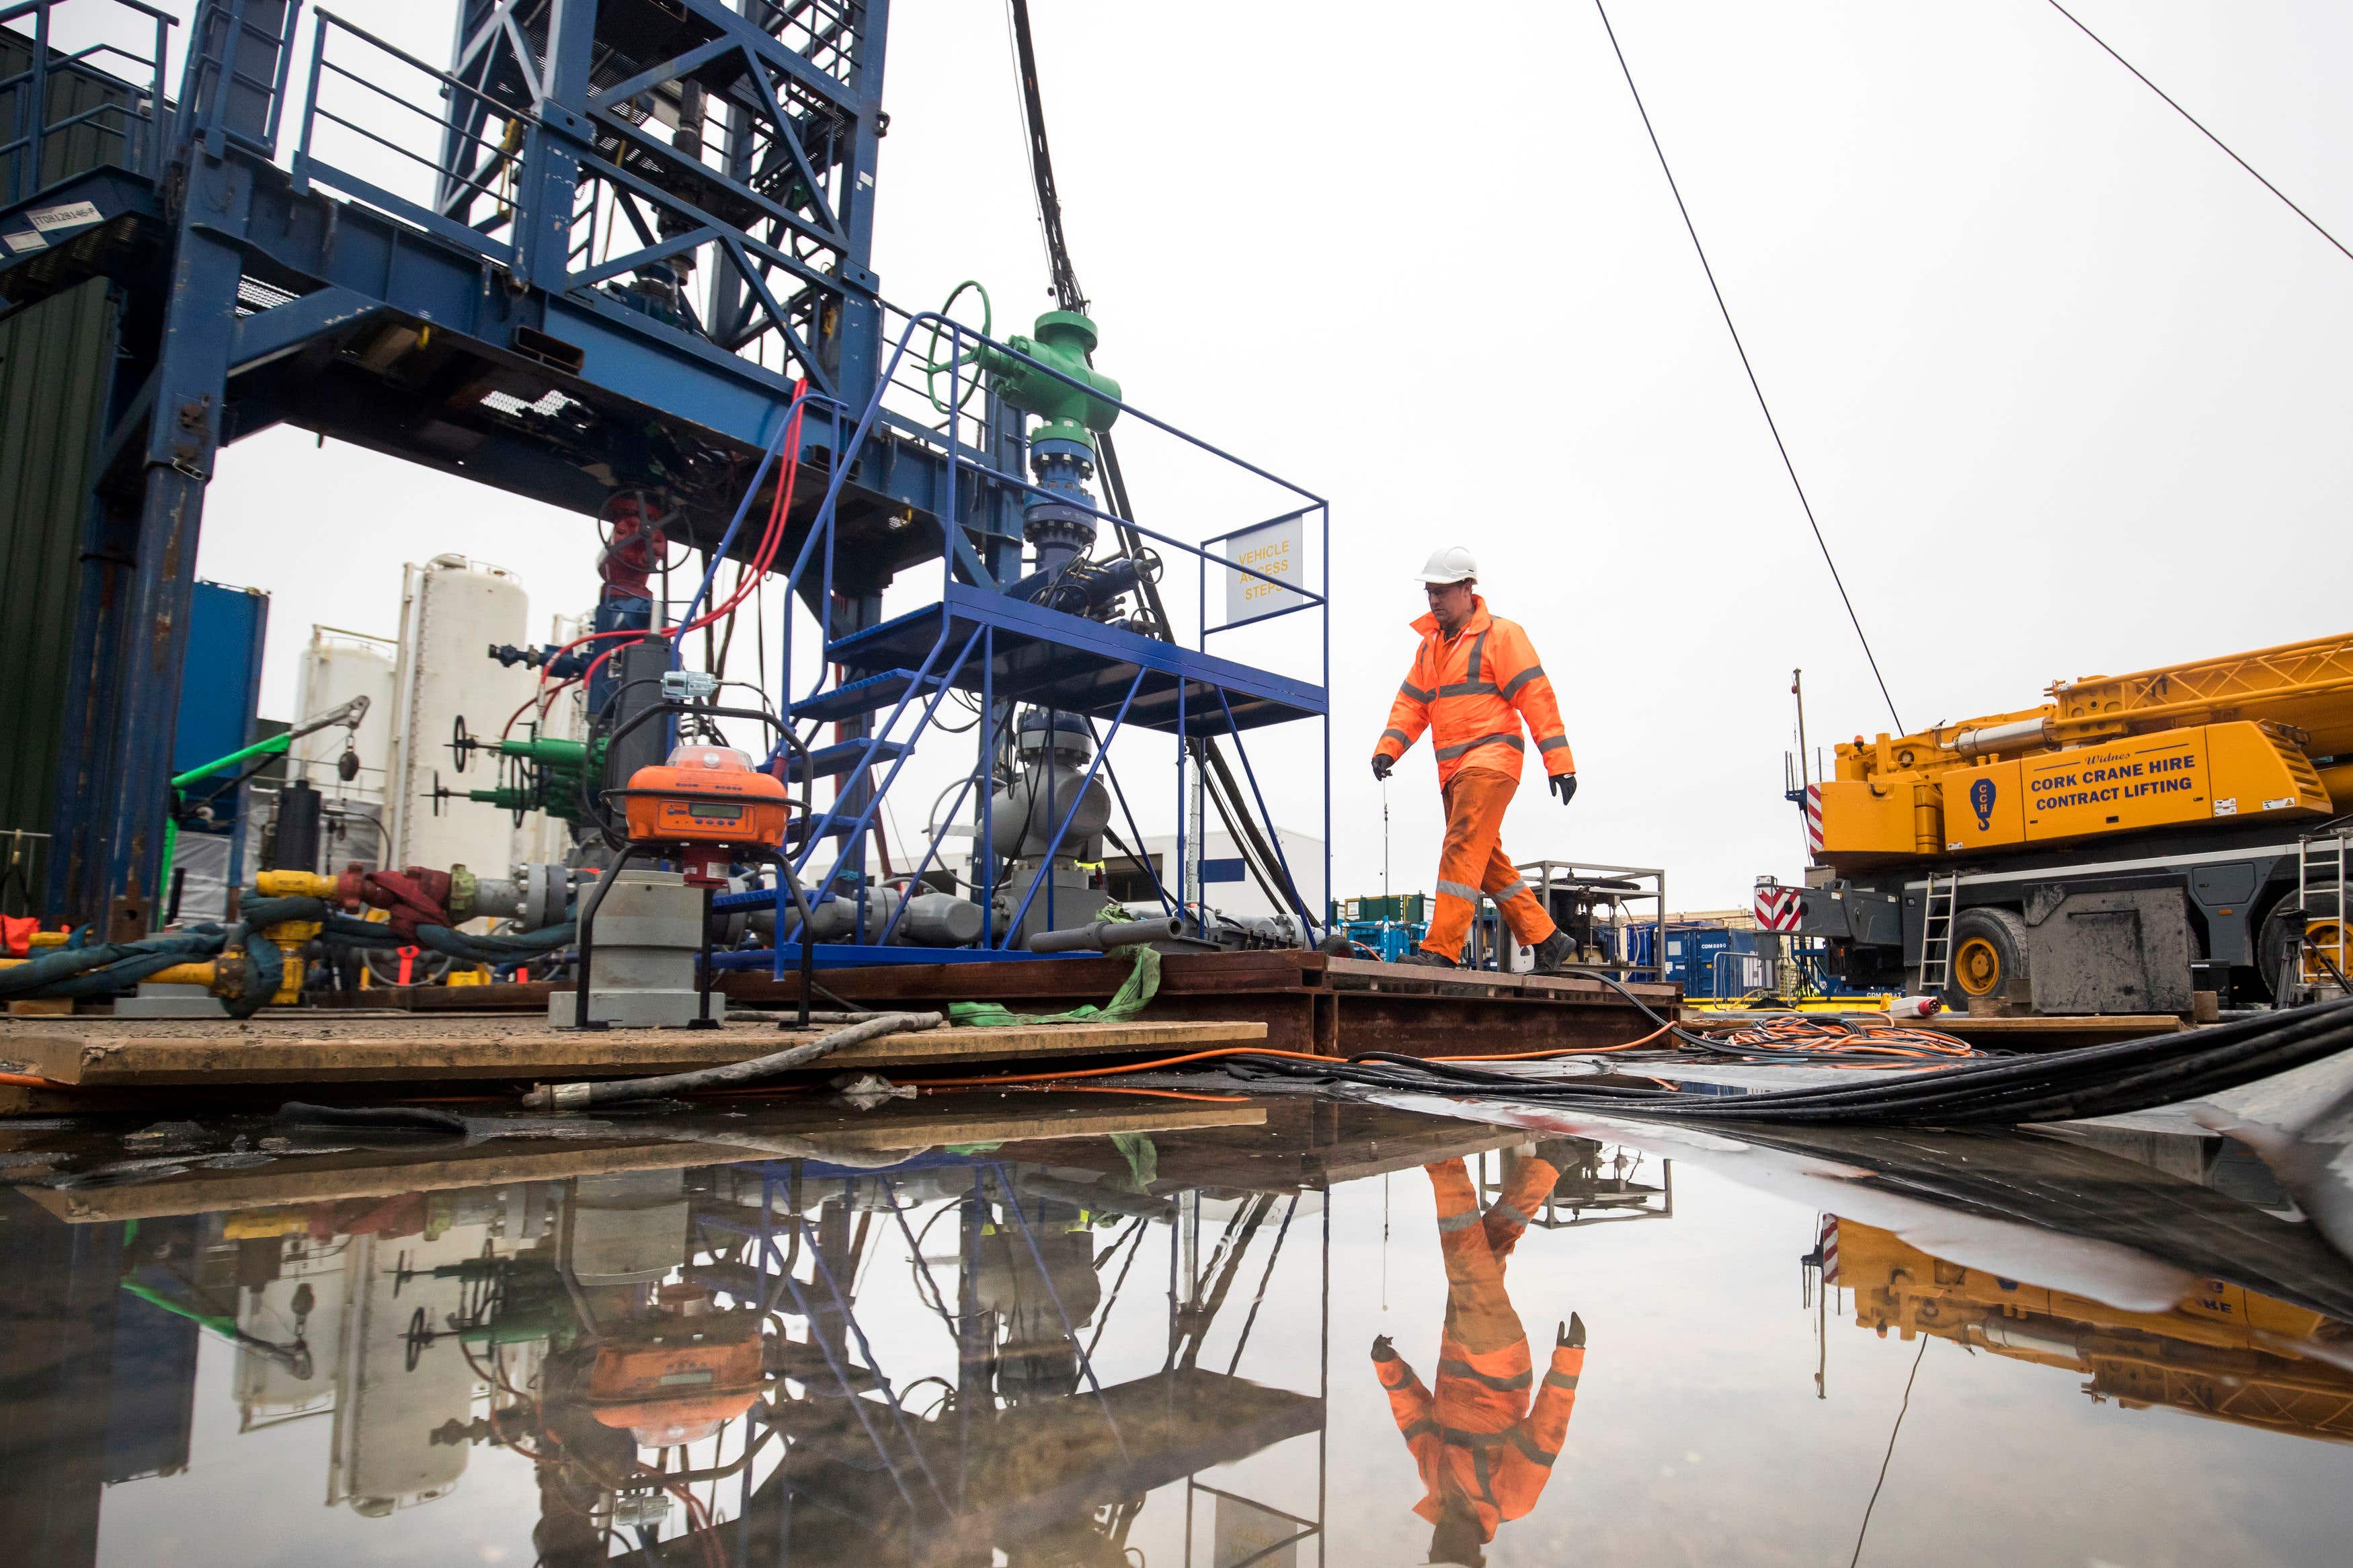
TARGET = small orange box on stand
x,y
706,796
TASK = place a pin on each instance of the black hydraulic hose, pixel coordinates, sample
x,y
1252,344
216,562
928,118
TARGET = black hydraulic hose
x,y
2096,1080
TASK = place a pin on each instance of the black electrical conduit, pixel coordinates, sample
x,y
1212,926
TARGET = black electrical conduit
x,y
2058,1085
1265,865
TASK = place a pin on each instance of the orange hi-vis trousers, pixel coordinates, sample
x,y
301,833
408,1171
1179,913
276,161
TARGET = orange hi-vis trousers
x,y
1476,1437
1472,862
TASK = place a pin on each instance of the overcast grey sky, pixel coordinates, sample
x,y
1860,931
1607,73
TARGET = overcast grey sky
x,y
2069,390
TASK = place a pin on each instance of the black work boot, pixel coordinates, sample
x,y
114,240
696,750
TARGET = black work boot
x,y
1424,958
1556,952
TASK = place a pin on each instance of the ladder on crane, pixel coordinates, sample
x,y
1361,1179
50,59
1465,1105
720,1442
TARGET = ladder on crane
x,y
1937,932
2319,855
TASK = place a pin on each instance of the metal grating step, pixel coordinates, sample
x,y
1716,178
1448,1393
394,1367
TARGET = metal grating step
x,y
870,695
829,762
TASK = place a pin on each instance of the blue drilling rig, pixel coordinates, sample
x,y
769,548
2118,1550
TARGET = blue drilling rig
x,y
615,258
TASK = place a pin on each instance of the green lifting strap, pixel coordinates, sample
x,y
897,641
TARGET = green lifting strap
x,y
1142,984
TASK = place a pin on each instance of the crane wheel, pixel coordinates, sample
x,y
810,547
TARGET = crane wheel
x,y
2290,972
1989,957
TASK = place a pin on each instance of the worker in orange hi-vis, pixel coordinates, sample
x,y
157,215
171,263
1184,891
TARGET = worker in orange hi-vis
x,y
1484,1447
1475,679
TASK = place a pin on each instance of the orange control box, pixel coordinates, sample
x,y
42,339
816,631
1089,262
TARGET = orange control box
x,y
706,795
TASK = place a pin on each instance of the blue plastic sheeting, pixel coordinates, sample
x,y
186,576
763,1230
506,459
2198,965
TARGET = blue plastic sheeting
x,y
221,691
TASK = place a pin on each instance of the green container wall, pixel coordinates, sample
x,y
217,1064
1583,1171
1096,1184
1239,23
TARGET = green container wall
x,y
73,89
55,360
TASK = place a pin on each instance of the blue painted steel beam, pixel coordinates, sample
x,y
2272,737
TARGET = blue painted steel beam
x,y
1112,653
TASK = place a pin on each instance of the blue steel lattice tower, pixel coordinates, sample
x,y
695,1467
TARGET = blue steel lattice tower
x,y
589,263
469,320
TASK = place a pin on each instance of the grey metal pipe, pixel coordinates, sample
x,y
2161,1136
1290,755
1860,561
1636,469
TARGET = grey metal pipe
x,y
2021,735
1106,936
870,1026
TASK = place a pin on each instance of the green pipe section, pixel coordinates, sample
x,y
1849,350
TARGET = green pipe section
x,y
1062,340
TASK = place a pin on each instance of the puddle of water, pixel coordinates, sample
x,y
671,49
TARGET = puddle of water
x,y
1122,1329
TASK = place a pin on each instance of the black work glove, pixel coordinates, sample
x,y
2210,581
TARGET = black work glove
x,y
1382,763
1571,1334
1565,786
1382,1349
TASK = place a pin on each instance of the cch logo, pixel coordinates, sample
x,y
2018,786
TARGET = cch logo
x,y
1981,802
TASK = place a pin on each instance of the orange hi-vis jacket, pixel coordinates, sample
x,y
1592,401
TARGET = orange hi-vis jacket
x,y
1471,691
1479,1439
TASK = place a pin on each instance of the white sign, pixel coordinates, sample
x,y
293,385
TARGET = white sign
x,y
1278,550
73,214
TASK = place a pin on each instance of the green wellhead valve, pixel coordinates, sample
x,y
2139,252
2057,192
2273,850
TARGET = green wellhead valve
x,y
1062,339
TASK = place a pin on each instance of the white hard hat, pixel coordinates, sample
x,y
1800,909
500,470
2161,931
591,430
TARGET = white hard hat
x,y
1451,564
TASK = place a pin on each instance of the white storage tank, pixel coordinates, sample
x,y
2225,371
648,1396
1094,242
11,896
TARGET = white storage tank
x,y
337,665
451,611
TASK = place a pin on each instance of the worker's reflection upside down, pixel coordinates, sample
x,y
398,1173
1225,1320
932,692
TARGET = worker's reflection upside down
x,y
1483,1447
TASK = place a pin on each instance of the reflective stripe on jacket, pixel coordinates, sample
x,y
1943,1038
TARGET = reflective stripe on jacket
x,y
1471,691
1480,1439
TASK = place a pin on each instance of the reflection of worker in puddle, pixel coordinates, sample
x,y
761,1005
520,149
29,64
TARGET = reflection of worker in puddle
x,y
1485,1449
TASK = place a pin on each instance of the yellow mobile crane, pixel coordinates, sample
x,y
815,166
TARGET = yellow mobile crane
x,y
2224,1353
2133,840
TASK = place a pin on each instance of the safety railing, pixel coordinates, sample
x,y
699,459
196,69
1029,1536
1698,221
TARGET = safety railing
x,y
752,198
233,85
61,94
347,100
967,660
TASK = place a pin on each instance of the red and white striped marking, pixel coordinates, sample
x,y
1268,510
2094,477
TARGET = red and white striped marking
x,y
1777,909
1829,1249
1814,818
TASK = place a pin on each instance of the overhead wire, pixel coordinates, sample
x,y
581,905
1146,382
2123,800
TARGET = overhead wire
x,y
2171,103
1754,384
1264,864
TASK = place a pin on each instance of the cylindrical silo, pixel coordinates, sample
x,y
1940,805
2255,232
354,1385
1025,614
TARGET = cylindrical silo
x,y
336,667
451,611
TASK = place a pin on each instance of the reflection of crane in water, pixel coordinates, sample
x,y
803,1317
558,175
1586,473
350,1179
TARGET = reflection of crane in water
x,y
2225,1352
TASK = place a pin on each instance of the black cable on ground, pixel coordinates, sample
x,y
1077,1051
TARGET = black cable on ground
x,y
1742,350
2209,136
2096,1081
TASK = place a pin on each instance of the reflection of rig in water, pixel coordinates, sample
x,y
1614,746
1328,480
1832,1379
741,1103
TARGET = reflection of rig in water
x,y
1598,1186
679,1354
2224,1351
